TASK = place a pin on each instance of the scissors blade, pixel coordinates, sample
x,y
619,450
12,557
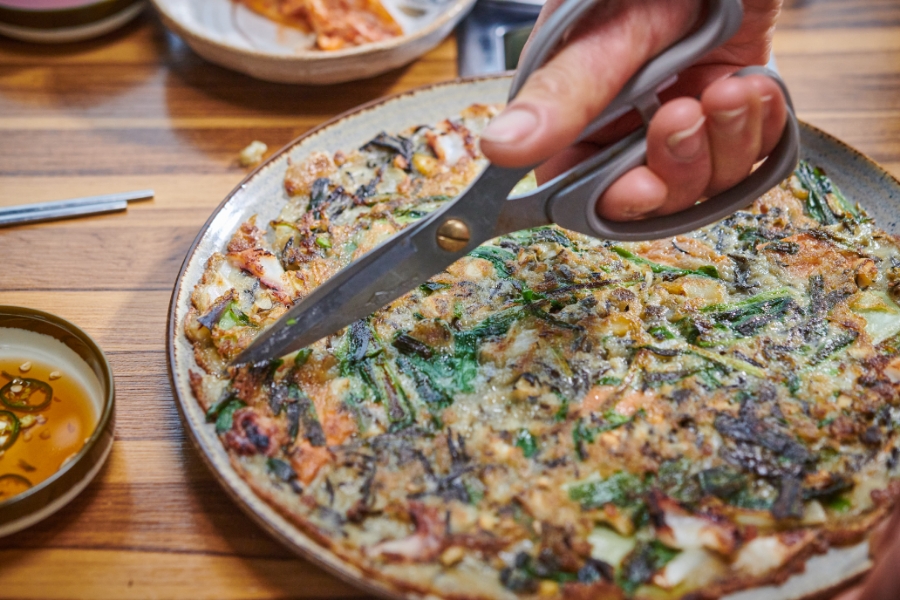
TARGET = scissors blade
x,y
385,273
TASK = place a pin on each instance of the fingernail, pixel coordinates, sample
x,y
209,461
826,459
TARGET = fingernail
x,y
766,106
686,144
731,121
513,125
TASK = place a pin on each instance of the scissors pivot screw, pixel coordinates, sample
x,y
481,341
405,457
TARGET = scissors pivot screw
x,y
453,235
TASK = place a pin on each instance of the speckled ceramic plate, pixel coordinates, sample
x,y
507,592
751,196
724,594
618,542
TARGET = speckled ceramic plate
x,y
262,193
231,35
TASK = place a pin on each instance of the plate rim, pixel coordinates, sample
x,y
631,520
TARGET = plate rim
x,y
316,552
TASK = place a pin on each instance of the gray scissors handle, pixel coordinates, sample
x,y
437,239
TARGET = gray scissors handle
x,y
573,205
722,21
569,200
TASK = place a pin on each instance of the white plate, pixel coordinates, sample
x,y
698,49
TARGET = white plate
x,y
233,36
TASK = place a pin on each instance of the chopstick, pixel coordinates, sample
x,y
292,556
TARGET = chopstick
x,y
38,216
73,207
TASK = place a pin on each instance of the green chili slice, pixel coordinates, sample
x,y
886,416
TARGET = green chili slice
x,y
9,429
25,394
12,485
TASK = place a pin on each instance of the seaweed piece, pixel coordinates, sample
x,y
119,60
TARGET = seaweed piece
x,y
723,482
742,319
621,489
281,470
782,247
306,411
529,237
430,287
407,344
644,561
398,145
789,504
318,193
214,314
832,346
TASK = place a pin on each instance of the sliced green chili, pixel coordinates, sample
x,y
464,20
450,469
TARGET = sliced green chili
x,y
23,397
13,484
9,429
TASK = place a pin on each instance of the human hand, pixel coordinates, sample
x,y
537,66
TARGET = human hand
x,y
883,582
695,148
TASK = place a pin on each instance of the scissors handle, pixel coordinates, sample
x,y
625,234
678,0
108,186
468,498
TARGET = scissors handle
x,y
723,19
570,199
573,207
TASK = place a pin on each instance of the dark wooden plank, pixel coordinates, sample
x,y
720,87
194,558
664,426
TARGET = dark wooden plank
x,y
153,496
820,14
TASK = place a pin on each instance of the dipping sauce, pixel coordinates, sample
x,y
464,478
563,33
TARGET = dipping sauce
x,y
46,416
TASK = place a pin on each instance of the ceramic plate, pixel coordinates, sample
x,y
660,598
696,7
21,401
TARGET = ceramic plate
x,y
231,35
262,193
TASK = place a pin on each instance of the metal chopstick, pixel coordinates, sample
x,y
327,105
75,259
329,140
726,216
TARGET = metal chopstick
x,y
37,216
74,203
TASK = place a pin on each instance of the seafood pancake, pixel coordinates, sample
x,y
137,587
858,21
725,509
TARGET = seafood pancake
x,y
559,416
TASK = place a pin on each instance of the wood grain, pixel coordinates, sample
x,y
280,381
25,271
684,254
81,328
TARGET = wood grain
x,y
52,573
138,109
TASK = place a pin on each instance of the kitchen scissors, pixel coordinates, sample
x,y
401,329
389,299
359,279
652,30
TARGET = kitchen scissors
x,y
484,210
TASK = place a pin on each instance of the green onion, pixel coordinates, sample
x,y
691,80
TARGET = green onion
x,y
527,442
497,256
233,317
620,489
839,504
302,356
225,418
704,271
661,333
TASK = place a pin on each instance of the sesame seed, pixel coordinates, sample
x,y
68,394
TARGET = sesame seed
x,y
25,366
45,434
452,555
55,375
16,389
27,436
41,419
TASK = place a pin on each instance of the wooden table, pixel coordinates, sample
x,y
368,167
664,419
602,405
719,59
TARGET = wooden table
x,y
137,109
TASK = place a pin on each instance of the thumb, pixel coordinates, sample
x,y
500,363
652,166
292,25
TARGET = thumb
x,y
561,98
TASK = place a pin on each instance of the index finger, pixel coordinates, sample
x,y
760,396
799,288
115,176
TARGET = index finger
x,y
561,98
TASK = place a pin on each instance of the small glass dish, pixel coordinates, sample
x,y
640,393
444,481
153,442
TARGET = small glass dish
x,y
32,335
